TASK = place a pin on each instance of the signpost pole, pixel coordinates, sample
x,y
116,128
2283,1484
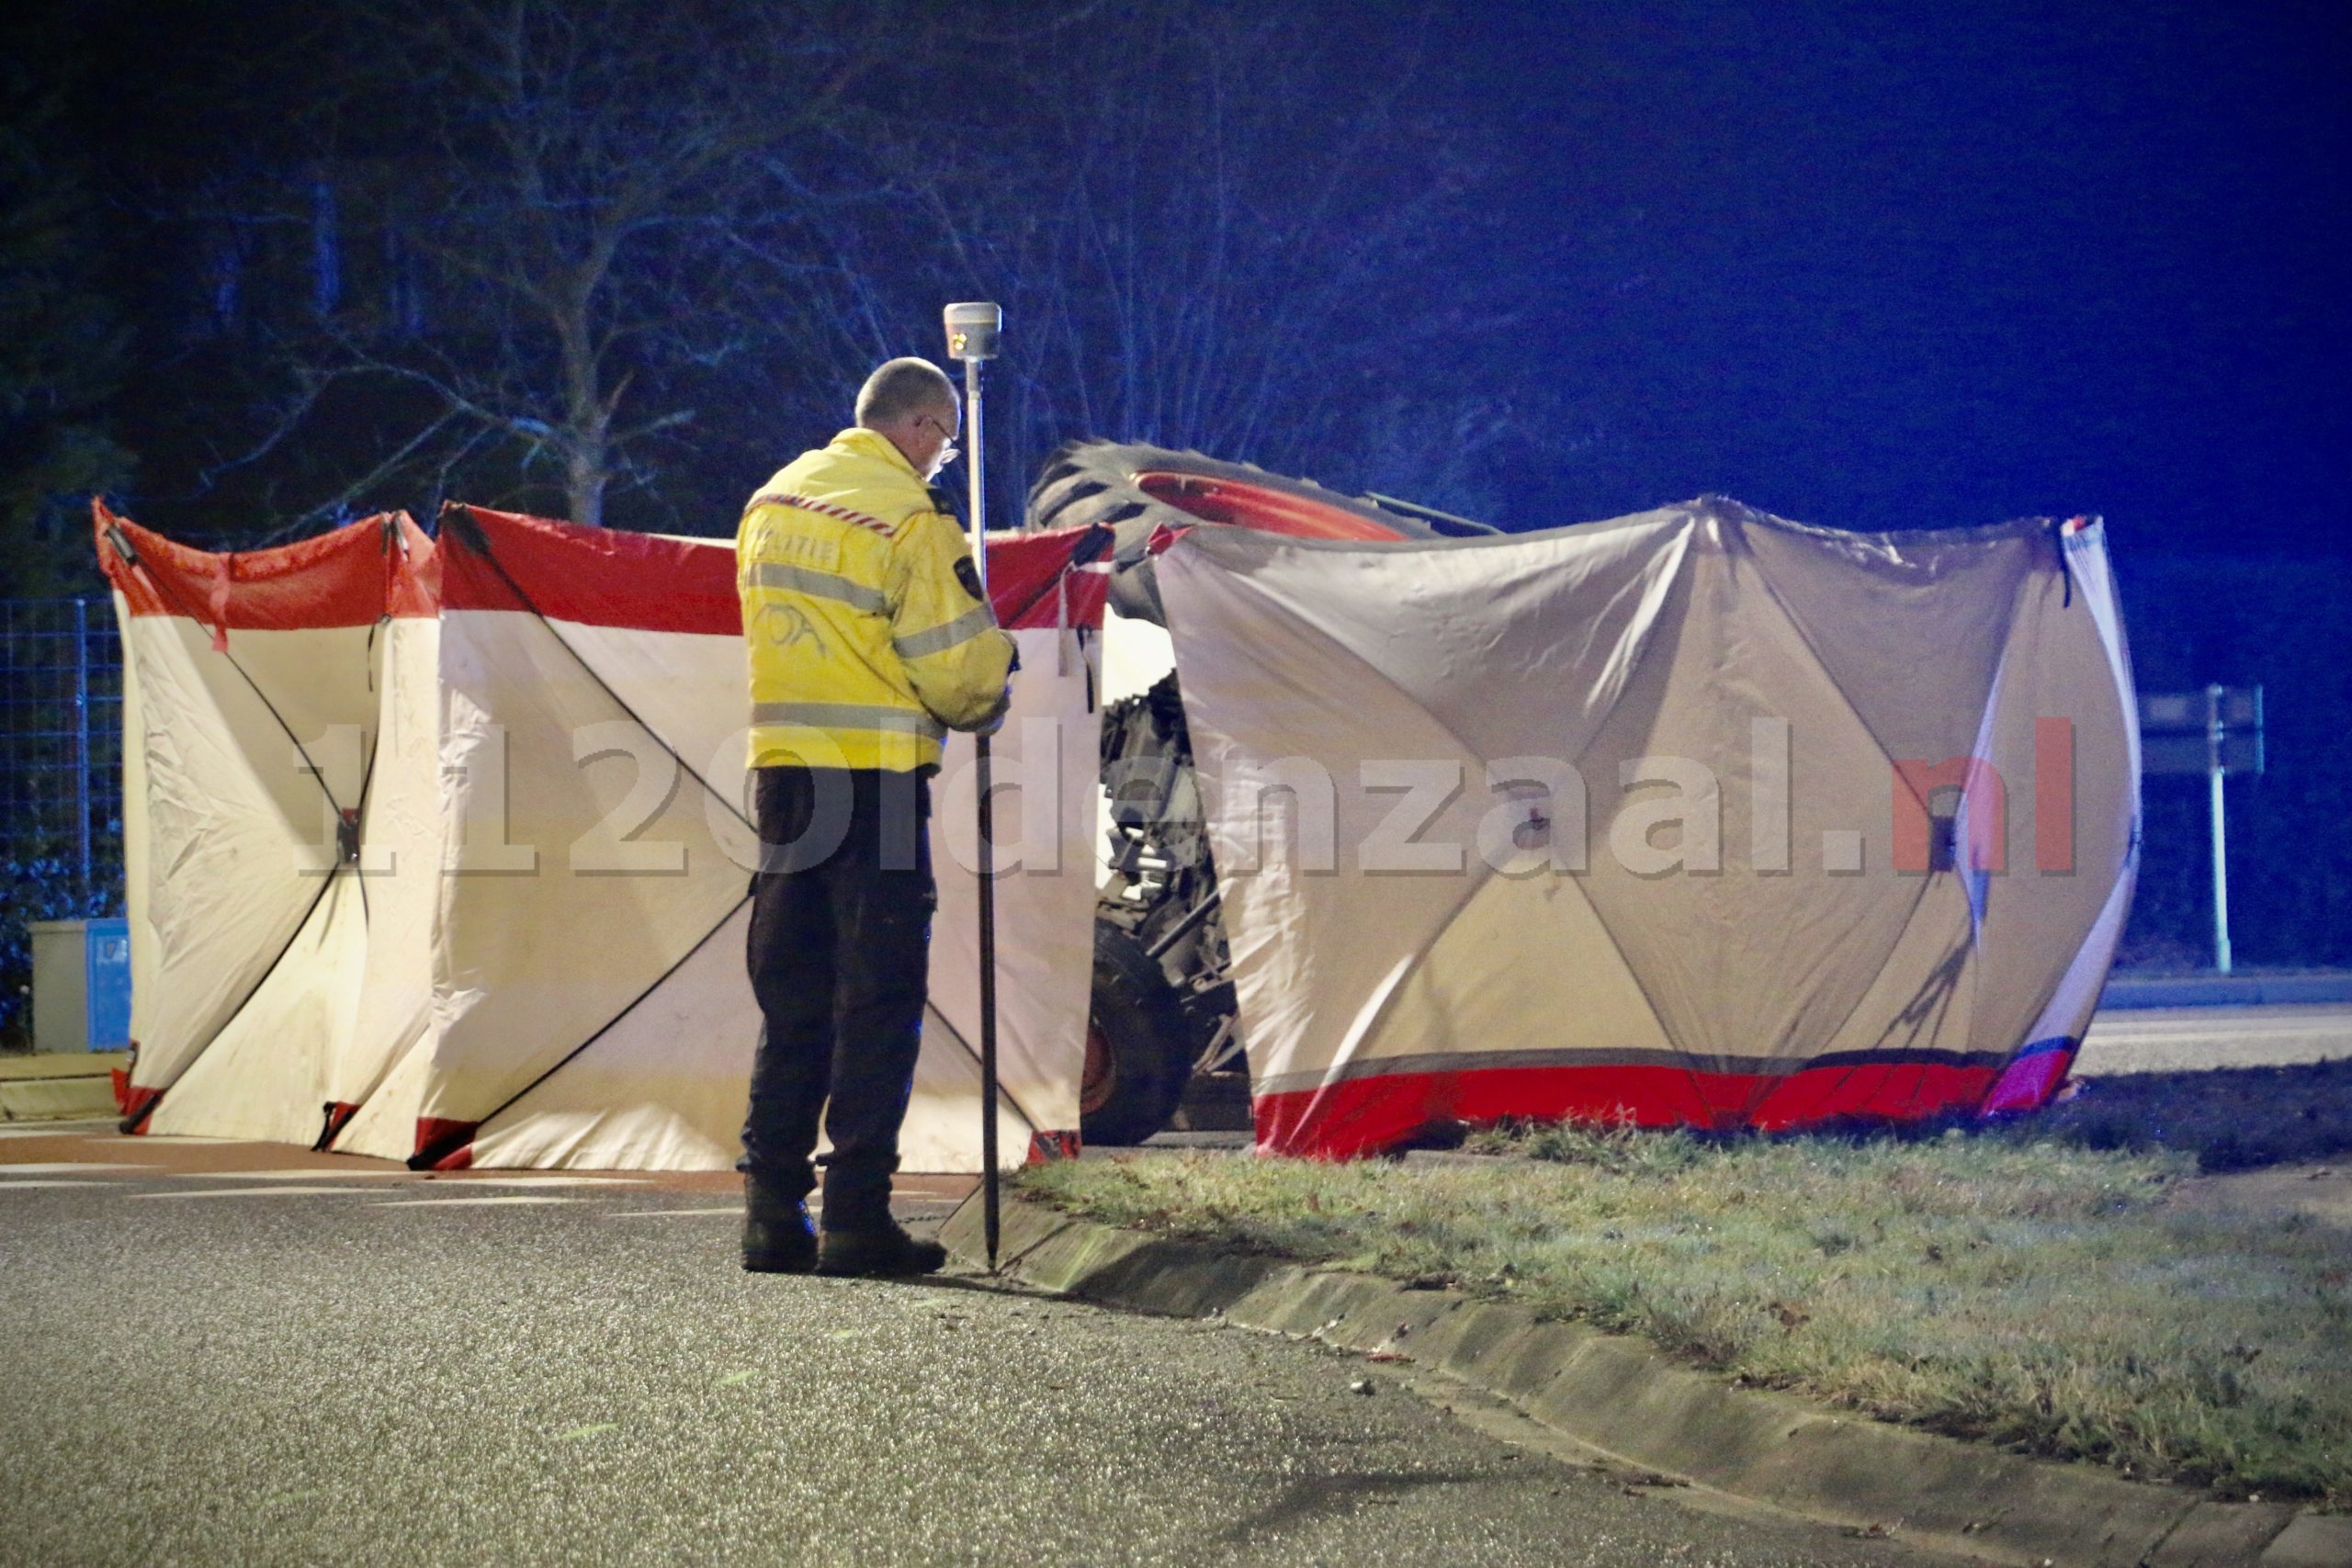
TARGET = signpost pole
x,y
2215,732
2213,774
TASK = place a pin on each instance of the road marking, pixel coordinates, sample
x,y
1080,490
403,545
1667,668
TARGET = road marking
x,y
2193,1039
462,1202
286,1175
735,1213
287,1191
470,1180
5,1186
68,1167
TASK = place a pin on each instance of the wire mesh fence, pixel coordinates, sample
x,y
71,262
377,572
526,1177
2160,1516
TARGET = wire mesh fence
x,y
60,779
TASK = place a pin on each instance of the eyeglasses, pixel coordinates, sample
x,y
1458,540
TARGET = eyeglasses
x,y
947,453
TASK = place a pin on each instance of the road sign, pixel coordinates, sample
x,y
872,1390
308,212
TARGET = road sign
x,y
2215,732
2193,754
2179,730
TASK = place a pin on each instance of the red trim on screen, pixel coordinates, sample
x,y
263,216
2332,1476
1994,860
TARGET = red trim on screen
x,y
607,577
351,576
414,592
1363,1116
2029,1082
440,1133
339,1113
137,1102
598,576
1046,1147
1022,569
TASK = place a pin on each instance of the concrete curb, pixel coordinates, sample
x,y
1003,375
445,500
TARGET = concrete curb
x,y
2126,992
1620,1395
58,1086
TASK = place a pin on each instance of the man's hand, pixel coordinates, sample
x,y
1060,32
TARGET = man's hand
x,y
995,721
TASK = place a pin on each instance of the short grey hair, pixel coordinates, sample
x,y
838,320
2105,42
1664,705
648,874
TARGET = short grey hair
x,y
903,387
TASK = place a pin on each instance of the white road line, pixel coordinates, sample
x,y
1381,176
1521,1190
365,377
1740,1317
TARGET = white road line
x,y
288,1175
470,1180
68,1167
284,1191
2184,1040
464,1203
737,1211
7,1186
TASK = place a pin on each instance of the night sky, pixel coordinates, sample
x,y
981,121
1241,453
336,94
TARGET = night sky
x,y
1868,265
1886,266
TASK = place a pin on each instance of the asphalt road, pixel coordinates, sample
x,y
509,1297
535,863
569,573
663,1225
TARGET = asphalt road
x,y
2193,1039
202,1367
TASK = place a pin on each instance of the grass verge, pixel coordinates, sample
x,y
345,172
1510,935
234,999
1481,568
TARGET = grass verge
x,y
2008,1288
2235,1119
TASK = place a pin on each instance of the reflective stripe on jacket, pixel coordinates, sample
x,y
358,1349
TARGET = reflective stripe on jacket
x,y
866,642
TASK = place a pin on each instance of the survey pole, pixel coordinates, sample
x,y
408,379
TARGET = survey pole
x,y
84,908
972,332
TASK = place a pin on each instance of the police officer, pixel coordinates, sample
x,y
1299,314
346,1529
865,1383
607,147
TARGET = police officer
x,y
868,639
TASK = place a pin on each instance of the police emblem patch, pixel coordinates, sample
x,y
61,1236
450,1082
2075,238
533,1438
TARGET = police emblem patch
x,y
785,626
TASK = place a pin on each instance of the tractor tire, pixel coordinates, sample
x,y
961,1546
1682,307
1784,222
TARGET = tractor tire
x,y
1138,1048
1134,490
1113,483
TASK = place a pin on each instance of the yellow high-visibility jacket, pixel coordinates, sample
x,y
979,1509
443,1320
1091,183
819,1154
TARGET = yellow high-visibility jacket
x,y
868,639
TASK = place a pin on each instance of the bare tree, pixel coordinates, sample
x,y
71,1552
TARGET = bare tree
x,y
1204,237
561,200
601,248
62,346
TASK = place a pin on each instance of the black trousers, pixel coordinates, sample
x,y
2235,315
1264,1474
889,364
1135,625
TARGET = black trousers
x,y
841,938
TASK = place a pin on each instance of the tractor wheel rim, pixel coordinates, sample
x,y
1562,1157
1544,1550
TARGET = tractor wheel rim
x,y
1101,1078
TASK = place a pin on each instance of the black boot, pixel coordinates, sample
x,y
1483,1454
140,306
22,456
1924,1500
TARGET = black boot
x,y
878,1252
777,1237
860,1238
